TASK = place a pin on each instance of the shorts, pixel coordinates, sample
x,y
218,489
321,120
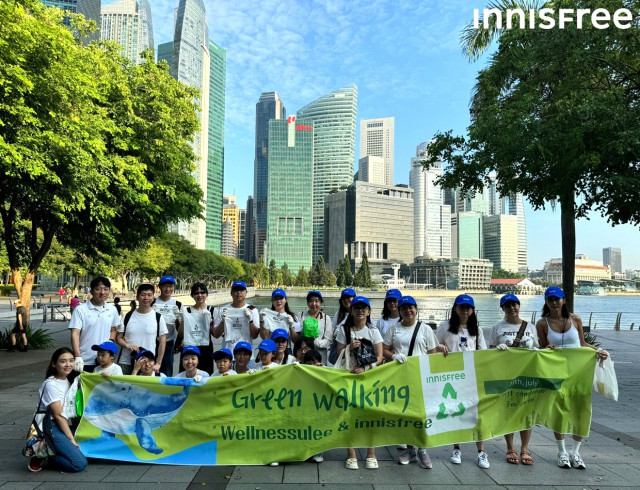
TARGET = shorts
x,y
17,330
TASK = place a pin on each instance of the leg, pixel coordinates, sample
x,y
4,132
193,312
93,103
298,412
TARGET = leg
x,y
352,460
563,457
372,462
167,361
68,457
512,455
525,454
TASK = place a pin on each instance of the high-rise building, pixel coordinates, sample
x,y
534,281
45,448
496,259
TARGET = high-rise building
x,y
229,247
215,154
431,217
268,107
376,219
249,234
127,22
476,201
334,123
516,208
470,235
231,213
371,169
188,57
612,256
376,139
89,8
242,234
290,183
500,237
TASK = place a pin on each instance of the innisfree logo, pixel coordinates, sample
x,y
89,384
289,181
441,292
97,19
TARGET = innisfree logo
x,y
550,18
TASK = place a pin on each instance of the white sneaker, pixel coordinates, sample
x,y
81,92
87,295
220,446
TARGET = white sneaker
x,y
317,458
456,456
483,460
576,461
274,464
351,464
563,460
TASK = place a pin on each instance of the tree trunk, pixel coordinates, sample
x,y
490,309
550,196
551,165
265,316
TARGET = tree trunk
x,y
568,230
24,288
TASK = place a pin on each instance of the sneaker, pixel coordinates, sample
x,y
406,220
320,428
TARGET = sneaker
x,y
36,464
424,459
12,349
371,464
456,456
563,460
576,461
406,456
351,464
483,460
274,464
317,458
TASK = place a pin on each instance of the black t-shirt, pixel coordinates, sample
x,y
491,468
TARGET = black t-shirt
x,y
21,311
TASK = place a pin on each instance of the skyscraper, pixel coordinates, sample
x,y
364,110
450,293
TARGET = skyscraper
x,y
215,167
612,256
290,204
127,22
371,169
334,123
500,237
431,217
376,139
89,8
189,60
516,208
268,107
249,235
231,213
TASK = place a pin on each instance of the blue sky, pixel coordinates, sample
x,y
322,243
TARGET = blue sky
x,y
405,58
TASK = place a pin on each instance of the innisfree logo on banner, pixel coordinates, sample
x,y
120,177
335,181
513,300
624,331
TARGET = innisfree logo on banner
x,y
450,392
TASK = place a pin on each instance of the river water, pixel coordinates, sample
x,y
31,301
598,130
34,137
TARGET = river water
x,y
600,312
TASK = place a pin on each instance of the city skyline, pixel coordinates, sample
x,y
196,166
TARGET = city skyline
x,y
407,64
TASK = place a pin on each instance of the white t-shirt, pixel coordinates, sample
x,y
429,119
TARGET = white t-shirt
x,y
325,330
504,332
94,323
113,370
203,375
369,333
461,341
229,373
170,312
260,367
236,331
53,390
383,325
399,338
196,325
142,330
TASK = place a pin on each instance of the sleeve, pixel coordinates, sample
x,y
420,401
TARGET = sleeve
x,y
163,326
493,335
76,319
120,327
340,337
431,341
376,336
440,332
389,335
51,393
327,338
115,319
481,343
255,316
116,370
334,322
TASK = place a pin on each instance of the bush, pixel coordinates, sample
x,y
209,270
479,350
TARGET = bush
x,y
589,338
7,289
37,339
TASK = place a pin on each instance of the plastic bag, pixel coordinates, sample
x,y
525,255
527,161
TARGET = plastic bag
x,y
605,382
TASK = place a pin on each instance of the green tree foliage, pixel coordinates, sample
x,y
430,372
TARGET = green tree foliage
x,y
556,116
273,273
362,278
320,275
285,274
340,275
344,277
94,151
302,279
503,274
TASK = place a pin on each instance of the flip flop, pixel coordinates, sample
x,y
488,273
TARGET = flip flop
x,y
526,457
512,457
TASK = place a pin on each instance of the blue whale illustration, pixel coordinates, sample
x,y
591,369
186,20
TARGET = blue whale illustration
x,y
121,408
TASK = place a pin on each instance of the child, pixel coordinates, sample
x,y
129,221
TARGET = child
x,y
223,359
243,364
266,353
145,361
189,360
313,358
106,354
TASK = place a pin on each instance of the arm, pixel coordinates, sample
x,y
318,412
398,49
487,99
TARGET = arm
x,y
20,324
75,341
541,328
112,333
61,422
123,343
136,367
387,351
327,337
162,343
577,321
218,331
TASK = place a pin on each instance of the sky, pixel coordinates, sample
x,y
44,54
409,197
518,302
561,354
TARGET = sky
x,y
404,57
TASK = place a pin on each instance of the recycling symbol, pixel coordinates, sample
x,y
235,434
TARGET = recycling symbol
x,y
449,392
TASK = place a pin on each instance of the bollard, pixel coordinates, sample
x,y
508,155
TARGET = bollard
x,y
616,327
632,326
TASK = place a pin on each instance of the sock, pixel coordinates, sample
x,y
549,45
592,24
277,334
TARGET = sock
x,y
561,446
576,447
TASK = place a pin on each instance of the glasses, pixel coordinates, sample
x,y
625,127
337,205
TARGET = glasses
x,y
304,348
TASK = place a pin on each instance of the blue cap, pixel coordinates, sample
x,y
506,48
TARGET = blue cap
x,y
191,349
145,353
314,292
464,299
243,345
279,333
167,279
393,294
109,346
278,293
360,300
348,292
238,285
267,345
553,292
509,297
407,300
221,354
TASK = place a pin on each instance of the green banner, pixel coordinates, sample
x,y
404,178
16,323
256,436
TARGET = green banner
x,y
293,412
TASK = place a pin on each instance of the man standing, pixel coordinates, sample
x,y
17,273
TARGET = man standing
x,y
169,308
92,323
20,327
142,329
242,329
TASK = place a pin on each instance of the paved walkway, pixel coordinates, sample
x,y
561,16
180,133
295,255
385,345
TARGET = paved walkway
x,y
612,452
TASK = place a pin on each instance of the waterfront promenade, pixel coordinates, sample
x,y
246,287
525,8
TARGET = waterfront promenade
x,y
612,452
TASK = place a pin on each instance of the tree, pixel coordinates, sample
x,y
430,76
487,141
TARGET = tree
x,y
340,275
302,279
362,279
555,116
503,274
273,272
348,275
285,273
94,151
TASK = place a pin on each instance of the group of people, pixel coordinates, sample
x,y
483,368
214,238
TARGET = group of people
x,y
145,341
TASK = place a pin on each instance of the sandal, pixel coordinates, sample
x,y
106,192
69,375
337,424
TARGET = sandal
x,y
526,458
512,457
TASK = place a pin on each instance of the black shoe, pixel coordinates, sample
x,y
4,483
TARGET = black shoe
x,y
24,349
12,349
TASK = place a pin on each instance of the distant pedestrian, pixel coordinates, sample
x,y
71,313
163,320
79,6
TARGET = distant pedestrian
x,y
86,294
20,328
61,293
73,304
116,303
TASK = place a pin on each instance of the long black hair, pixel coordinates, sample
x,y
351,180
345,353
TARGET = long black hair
x,y
546,311
385,309
343,312
51,370
472,323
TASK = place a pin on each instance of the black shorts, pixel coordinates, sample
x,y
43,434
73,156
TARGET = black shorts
x,y
16,329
